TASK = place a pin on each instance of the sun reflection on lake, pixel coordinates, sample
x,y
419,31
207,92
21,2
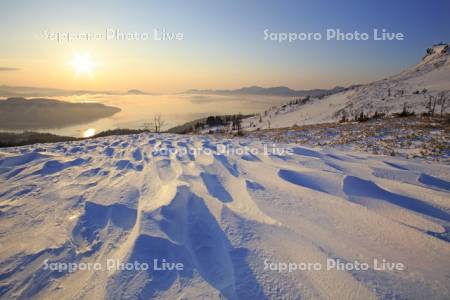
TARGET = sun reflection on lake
x,y
175,109
89,132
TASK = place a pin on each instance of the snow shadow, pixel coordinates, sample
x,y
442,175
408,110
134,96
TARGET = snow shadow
x,y
215,187
434,182
396,166
250,157
97,217
189,235
306,152
23,159
253,186
232,168
301,179
37,280
357,187
55,166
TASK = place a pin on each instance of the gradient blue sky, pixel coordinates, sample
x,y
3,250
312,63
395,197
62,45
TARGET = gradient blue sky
x,y
223,45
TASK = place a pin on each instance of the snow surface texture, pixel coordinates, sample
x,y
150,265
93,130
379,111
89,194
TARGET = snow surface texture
x,y
412,86
221,216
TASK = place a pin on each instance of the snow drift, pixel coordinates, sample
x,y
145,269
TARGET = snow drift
x,y
224,217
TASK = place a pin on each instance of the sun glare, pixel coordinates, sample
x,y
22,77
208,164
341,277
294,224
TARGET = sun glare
x,y
89,132
82,64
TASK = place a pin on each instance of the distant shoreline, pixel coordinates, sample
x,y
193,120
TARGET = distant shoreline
x,y
24,114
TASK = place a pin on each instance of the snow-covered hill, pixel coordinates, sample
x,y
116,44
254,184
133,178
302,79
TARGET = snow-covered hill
x,y
231,221
412,86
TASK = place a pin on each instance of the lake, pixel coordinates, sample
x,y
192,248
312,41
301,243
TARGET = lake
x,y
137,111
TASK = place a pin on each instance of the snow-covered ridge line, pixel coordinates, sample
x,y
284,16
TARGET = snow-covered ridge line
x,y
412,87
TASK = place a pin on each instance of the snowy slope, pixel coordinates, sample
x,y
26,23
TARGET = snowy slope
x,y
387,95
223,216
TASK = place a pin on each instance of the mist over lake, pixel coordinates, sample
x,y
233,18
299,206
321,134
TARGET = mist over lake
x,y
137,111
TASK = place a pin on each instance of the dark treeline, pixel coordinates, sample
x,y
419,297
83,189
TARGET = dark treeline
x,y
223,123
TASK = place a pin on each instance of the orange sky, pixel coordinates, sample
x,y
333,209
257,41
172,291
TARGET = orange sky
x,y
222,46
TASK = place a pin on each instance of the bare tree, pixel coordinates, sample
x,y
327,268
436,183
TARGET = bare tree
x,y
431,104
443,101
158,123
434,105
343,117
236,122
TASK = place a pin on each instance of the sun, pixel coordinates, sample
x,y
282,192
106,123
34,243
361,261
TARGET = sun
x,y
82,64
89,132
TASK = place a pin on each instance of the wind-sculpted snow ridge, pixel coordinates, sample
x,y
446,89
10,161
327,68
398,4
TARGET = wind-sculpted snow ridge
x,y
215,224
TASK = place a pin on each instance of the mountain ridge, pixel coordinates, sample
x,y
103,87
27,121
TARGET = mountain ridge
x,y
270,91
411,87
